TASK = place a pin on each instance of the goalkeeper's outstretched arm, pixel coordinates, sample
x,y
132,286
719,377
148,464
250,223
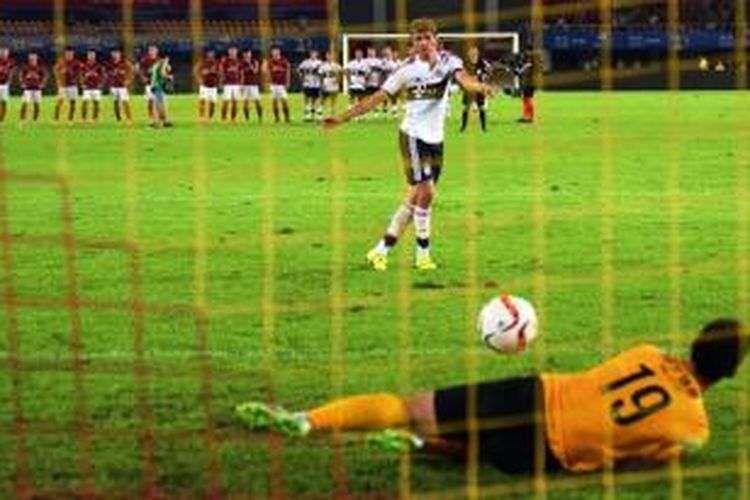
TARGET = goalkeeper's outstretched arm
x,y
362,107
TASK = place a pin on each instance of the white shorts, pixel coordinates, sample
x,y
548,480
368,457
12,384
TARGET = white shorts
x,y
251,93
147,94
208,93
232,92
278,92
32,96
327,91
120,94
4,92
92,95
69,93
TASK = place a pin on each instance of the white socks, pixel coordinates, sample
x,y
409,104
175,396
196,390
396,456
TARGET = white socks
x,y
422,218
400,220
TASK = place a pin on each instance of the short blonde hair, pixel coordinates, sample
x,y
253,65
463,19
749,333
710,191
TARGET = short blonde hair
x,y
423,25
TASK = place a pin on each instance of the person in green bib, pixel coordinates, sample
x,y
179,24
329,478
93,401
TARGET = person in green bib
x,y
160,77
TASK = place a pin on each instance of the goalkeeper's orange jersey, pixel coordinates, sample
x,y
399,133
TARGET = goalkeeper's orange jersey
x,y
640,406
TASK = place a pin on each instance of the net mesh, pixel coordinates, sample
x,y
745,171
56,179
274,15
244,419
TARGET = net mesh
x,y
62,433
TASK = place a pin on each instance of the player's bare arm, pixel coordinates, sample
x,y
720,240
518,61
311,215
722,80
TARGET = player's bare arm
x,y
362,107
470,84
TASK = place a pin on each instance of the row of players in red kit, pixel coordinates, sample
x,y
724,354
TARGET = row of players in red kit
x,y
240,78
70,74
92,76
33,78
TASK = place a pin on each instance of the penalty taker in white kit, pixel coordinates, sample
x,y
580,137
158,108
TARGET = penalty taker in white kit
x,y
426,77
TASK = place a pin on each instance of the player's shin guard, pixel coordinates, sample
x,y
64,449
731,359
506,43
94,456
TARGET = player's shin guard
x,y
483,118
369,412
422,221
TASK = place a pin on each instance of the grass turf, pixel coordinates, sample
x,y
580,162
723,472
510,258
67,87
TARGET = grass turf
x,y
153,279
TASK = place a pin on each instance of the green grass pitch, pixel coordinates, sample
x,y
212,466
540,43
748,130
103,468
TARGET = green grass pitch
x,y
154,279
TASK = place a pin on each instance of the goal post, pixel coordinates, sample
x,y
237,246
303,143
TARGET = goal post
x,y
509,41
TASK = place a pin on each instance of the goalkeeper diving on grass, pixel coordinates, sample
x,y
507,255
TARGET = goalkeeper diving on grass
x,y
425,77
642,407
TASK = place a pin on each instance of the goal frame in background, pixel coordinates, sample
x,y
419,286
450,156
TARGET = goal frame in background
x,y
514,36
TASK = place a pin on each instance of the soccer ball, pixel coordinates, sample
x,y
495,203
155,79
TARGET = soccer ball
x,y
507,324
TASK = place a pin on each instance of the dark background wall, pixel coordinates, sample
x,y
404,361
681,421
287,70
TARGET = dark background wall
x,y
361,13
571,48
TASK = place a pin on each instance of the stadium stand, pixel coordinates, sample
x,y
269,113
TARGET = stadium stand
x,y
639,31
698,14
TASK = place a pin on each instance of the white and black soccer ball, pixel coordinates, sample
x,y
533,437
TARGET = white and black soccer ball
x,y
507,324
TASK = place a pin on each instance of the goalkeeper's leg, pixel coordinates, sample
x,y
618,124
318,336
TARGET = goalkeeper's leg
x,y
368,412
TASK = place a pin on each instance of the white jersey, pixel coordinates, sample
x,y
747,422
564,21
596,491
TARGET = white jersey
x,y
374,73
426,94
330,72
356,71
389,67
310,71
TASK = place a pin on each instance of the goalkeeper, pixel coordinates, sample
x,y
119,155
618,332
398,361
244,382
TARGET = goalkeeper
x,y
641,407
161,79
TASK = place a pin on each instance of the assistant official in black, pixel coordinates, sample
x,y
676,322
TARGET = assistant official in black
x,y
480,68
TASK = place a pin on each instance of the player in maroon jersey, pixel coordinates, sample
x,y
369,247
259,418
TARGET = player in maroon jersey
x,y
144,73
33,80
7,65
93,80
208,76
119,78
231,75
251,85
280,71
67,74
